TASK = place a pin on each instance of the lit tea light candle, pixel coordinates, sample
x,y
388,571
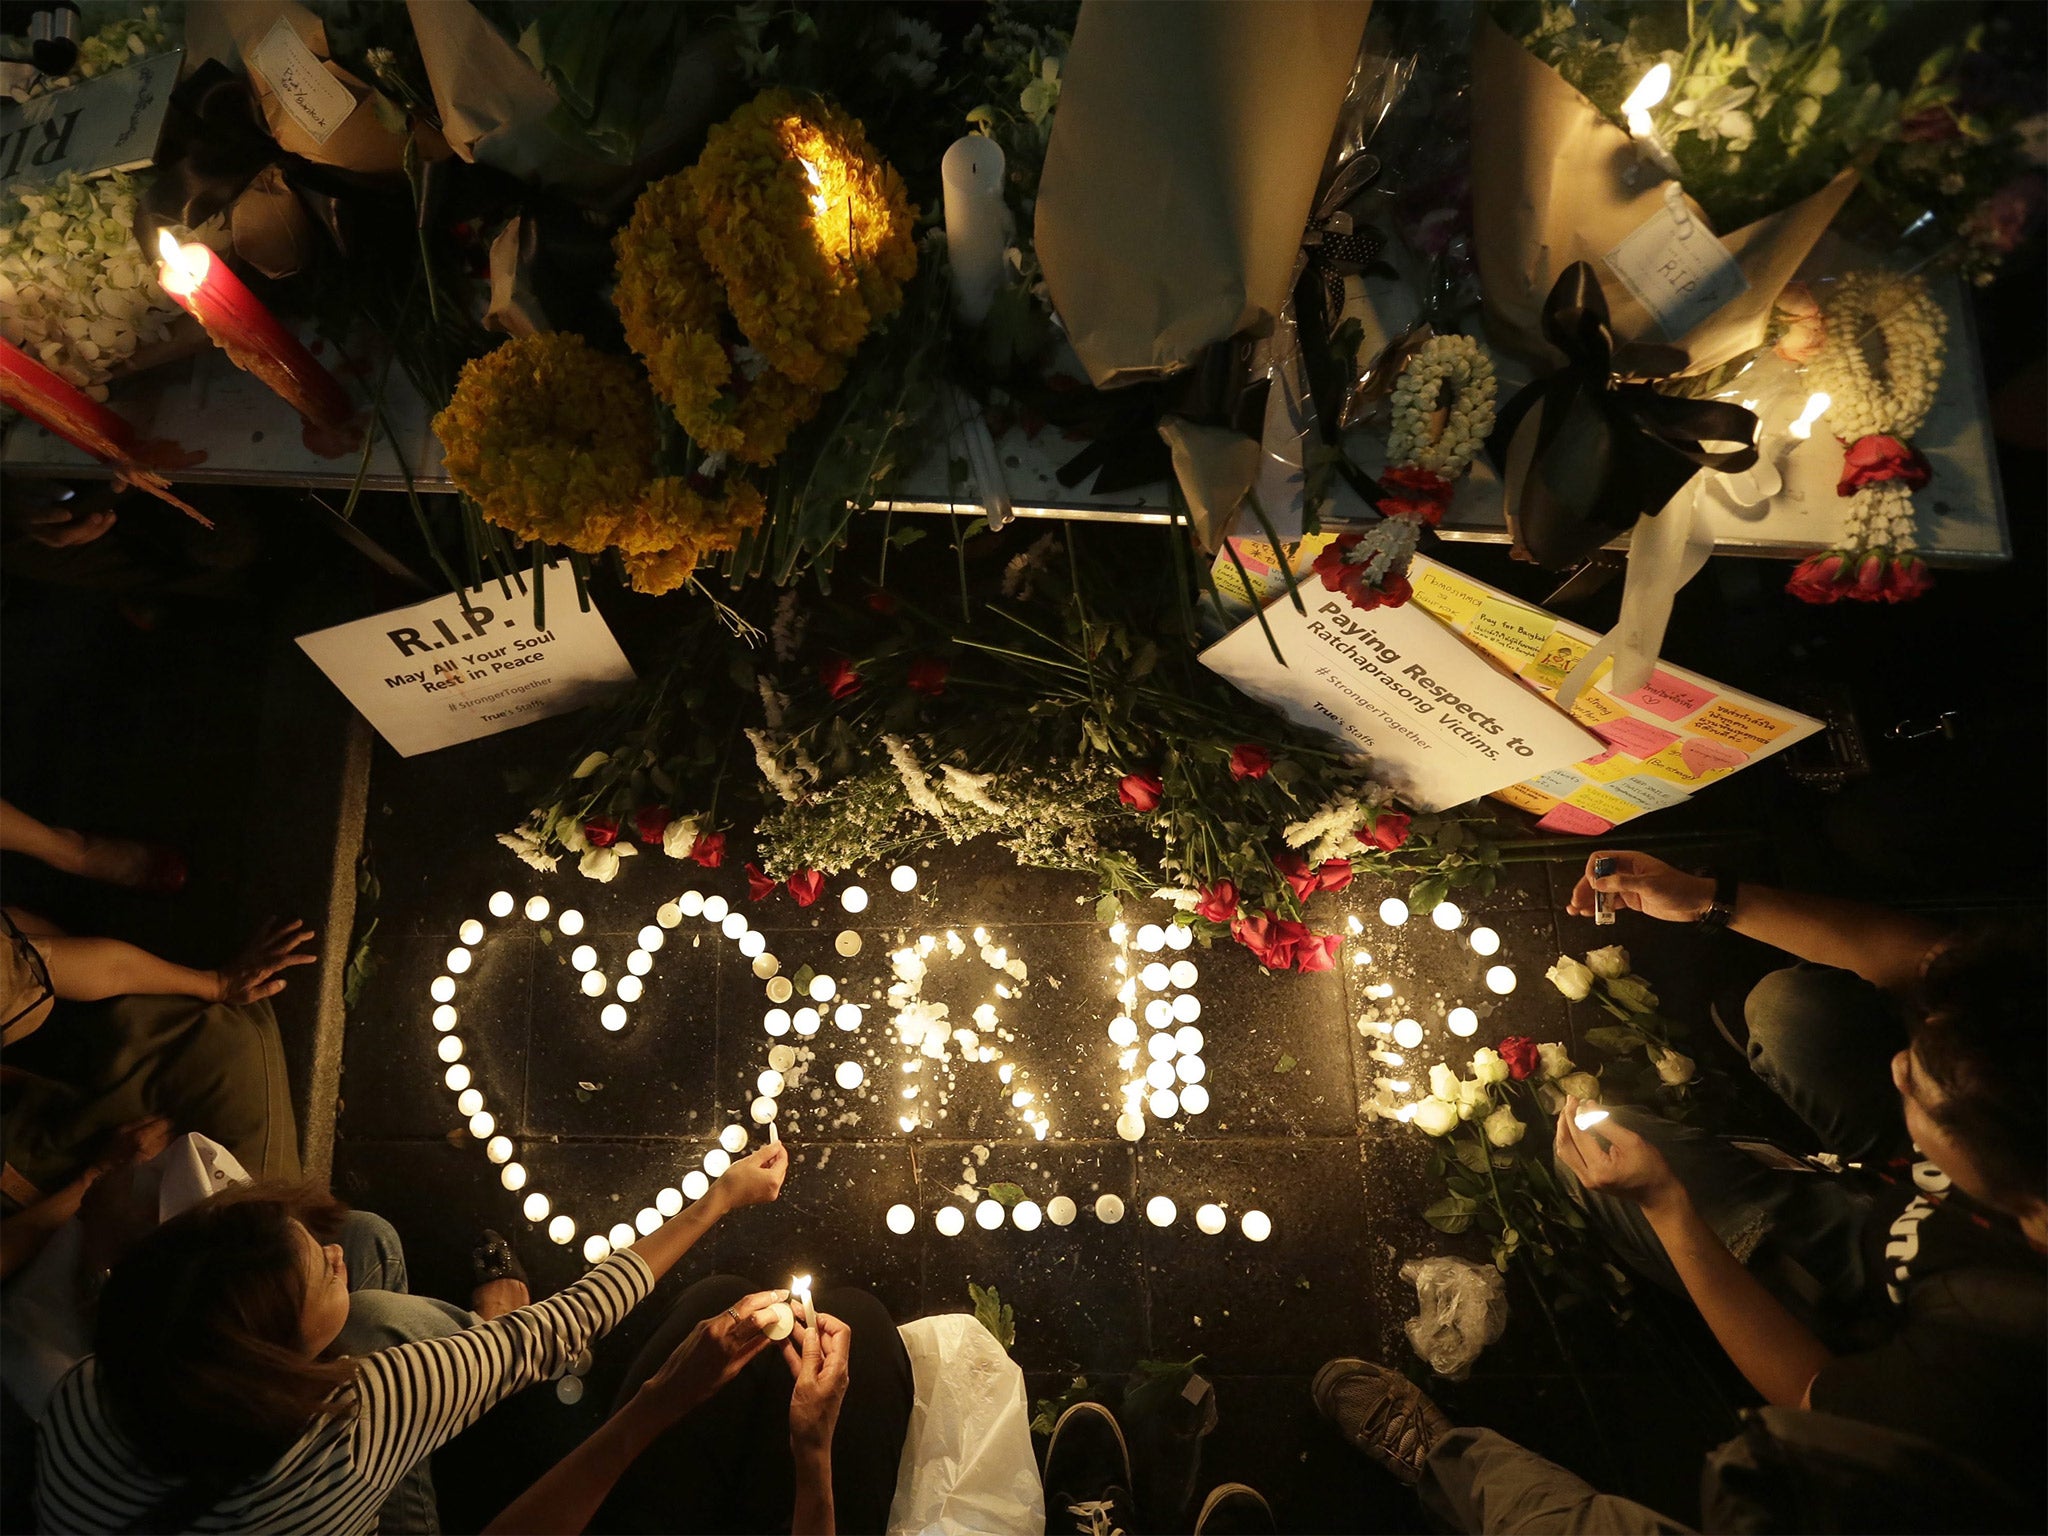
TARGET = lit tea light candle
x,y
765,964
481,1124
1447,915
1161,1211
1178,937
457,1077
593,983
1210,1218
807,1021
669,915
762,1110
1151,938
901,1219
513,1176
537,908
696,1184
1162,1047
595,1251
469,1103
1462,1021
1158,1013
849,1075
847,1016
647,1221
988,1215
501,903
1393,911
1188,1040
768,1084
846,944
1109,1209
780,989
1190,1070
1187,1008
716,1161
536,1206
471,931
1182,973
716,909
583,957
1484,941
950,1221
691,904
1500,979
449,1048
1159,1074
1155,977
1026,1216
733,925
733,1139
652,938
1407,1034
854,899
444,1018
822,988
622,1235
776,1021
1123,1032
1130,1126
442,990
570,923
903,878
1164,1103
561,1229
1194,1099
612,1017
629,989
1256,1225
639,963
669,1201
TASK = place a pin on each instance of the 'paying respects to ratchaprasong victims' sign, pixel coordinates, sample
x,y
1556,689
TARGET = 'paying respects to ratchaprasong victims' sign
x,y
469,664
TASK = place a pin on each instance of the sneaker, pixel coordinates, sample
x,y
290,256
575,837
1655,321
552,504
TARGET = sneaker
x,y
1088,1474
1381,1412
1232,1509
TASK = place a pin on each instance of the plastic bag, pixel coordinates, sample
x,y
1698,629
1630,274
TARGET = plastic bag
x,y
1461,1308
968,1463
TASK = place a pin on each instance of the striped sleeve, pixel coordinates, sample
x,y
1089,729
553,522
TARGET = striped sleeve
x,y
414,1398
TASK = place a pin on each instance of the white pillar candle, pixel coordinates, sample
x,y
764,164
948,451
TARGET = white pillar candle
x,y
976,223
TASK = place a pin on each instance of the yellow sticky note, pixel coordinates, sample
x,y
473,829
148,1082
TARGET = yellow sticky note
x,y
1607,806
1591,707
1560,653
1671,764
1444,595
1738,724
1525,798
1510,631
1615,767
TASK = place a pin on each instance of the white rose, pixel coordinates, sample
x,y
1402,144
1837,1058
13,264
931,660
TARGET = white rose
x,y
590,765
1487,1066
1570,978
1581,1085
679,837
1673,1067
1555,1063
599,864
1502,1128
1473,1099
1435,1116
1611,962
1443,1082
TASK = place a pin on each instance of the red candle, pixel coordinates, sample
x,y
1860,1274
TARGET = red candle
x,y
250,334
36,392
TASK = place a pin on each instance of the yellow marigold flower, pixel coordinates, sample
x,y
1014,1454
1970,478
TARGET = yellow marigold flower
x,y
675,527
551,439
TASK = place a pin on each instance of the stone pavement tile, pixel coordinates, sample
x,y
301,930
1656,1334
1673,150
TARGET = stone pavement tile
x,y
1276,1049
393,1079
1078,1290
1284,1304
979,882
654,1077
1268,1435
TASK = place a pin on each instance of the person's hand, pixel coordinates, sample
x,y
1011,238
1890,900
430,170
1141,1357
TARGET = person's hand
x,y
65,527
253,974
755,1179
1642,884
821,1376
136,1142
716,1351
1613,1159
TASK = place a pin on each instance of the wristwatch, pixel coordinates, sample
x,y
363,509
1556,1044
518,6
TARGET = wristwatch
x,y
1721,910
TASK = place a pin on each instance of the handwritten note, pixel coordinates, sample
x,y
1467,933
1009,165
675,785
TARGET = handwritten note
x,y
1739,725
1565,817
1676,268
1510,631
1443,594
1668,695
1647,793
1607,806
1636,737
1525,798
305,88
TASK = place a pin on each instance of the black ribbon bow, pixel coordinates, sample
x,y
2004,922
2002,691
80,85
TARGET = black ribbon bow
x,y
1604,453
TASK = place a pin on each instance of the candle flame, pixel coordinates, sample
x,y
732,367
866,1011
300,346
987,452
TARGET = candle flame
x,y
1586,1119
184,265
1651,89
1817,405
819,202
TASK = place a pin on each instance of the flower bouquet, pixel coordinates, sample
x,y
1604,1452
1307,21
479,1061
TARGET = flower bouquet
x,y
1647,1067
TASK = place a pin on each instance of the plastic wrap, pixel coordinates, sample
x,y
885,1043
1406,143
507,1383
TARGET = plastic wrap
x,y
1461,1308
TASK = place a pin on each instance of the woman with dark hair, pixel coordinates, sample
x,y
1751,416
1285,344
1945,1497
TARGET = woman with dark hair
x,y
217,1401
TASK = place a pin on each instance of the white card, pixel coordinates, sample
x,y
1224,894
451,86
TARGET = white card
x,y
304,87
1676,267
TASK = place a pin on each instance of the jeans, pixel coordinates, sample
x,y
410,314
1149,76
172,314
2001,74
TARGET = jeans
x,y
1483,1483
381,1313
726,1467
1822,1040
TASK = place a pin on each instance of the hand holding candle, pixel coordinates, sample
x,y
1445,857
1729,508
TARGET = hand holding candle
x,y
820,1369
715,1351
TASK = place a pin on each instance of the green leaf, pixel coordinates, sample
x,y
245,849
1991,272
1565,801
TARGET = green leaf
x,y
1107,908
992,1314
1614,1039
903,538
1284,1064
1005,1195
1049,1409
1471,1153
1425,894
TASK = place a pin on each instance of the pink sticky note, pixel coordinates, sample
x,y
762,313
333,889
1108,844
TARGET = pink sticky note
x,y
1638,738
1569,818
1703,754
1672,697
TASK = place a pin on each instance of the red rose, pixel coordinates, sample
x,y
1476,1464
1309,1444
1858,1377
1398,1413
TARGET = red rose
x,y
1388,831
1818,578
1318,952
1219,902
1906,580
806,885
838,677
1250,762
1295,871
1869,586
1141,791
1877,458
602,831
928,676
882,602
1416,493
1270,939
760,885
1395,592
1521,1055
650,821
1333,874
709,849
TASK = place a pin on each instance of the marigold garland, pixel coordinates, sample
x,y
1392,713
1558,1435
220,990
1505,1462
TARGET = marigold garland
x,y
676,527
552,439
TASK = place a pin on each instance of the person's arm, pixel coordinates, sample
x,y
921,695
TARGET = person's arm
x,y
23,1234
1771,1347
1883,947
571,1492
820,1368
86,970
